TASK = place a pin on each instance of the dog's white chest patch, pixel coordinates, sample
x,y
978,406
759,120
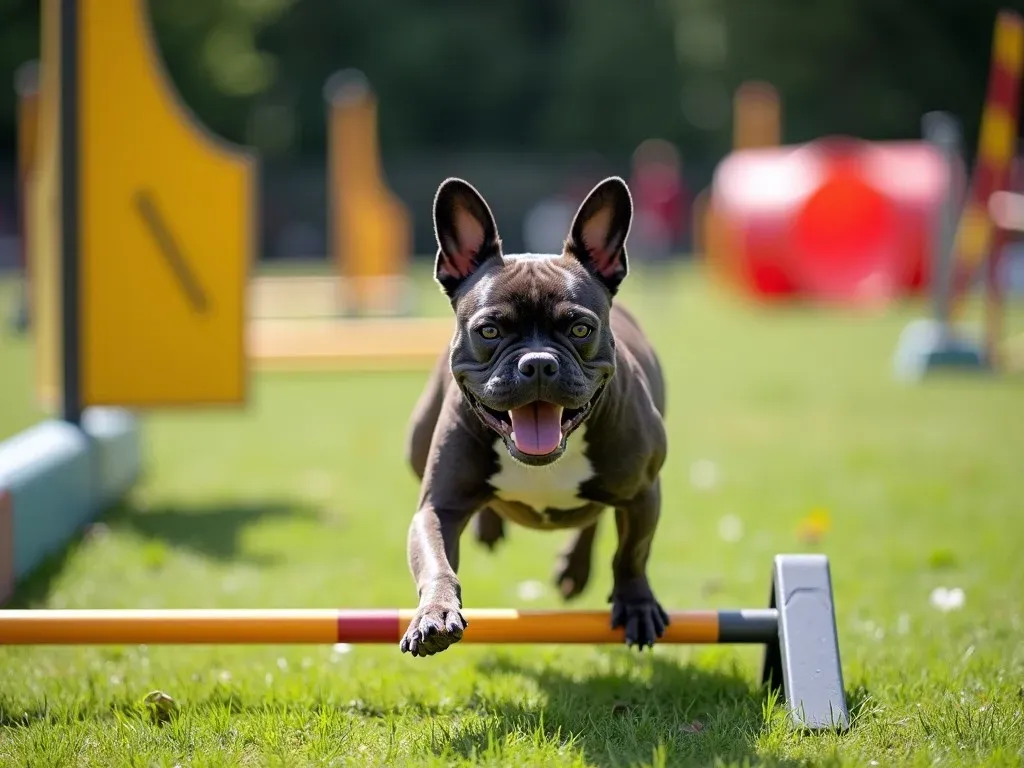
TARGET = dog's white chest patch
x,y
552,487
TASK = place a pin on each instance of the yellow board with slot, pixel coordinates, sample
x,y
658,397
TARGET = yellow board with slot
x,y
167,228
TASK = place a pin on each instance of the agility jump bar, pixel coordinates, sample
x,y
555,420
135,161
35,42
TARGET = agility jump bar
x,y
797,630
273,626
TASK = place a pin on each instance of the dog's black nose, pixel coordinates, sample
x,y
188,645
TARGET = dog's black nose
x,y
542,365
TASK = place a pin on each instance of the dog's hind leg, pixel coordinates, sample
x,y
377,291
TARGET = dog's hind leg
x,y
572,571
488,528
424,417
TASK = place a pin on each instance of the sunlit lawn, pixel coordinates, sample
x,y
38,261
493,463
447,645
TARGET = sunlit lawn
x,y
304,499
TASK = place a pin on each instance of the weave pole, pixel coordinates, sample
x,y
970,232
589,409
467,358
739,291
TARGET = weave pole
x,y
326,626
977,236
979,241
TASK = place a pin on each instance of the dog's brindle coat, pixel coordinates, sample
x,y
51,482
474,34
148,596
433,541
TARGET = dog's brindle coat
x,y
536,328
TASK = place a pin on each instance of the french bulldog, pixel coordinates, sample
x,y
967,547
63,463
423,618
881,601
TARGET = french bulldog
x,y
546,409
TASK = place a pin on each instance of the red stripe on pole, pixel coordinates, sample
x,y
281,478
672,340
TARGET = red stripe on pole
x,y
369,626
1003,86
988,178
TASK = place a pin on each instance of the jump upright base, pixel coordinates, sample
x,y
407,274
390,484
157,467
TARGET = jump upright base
x,y
803,657
798,631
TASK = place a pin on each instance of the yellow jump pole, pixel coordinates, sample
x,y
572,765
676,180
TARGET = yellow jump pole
x,y
798,631
328,626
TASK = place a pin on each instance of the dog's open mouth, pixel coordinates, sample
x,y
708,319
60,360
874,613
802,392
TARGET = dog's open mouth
x,y
538,429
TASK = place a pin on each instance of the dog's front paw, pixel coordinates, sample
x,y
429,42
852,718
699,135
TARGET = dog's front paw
x,y
435,626
636,609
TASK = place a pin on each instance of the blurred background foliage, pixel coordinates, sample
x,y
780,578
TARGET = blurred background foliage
x,y
529,98
554,75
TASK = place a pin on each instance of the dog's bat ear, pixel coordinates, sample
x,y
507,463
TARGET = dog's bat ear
x,y
598,233
466,233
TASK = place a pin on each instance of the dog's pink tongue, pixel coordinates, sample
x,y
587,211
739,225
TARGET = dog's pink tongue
x,y
537,427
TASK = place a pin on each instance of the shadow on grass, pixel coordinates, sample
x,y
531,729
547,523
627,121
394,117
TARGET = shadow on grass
x,y
683,714
214,531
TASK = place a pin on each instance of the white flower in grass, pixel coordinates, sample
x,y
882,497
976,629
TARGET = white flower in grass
x,y
704,474
869,628
730,529
530,590
947,599
339,649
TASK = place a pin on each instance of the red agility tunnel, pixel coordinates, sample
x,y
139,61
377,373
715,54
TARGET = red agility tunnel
x,y
836,219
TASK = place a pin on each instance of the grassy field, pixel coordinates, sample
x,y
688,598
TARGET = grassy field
x,y
776,418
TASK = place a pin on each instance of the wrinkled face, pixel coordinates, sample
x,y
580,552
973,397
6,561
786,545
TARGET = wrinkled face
x,y
533,350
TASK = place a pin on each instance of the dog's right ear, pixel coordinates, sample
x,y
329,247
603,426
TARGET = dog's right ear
x,y
597,237
466,233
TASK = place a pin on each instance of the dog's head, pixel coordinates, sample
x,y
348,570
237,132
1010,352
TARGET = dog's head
x,y
532,350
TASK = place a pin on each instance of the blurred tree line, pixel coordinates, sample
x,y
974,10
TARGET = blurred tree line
x,y
554,75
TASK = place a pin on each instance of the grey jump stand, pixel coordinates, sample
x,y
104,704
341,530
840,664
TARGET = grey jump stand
x,y
932,343
804,657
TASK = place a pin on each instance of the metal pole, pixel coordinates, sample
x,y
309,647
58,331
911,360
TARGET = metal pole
x,y
943,130
69,211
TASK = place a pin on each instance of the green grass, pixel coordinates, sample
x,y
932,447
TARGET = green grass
x,y
304,499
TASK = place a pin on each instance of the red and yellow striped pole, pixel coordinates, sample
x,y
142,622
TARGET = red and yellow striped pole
x,y
977,238
328,626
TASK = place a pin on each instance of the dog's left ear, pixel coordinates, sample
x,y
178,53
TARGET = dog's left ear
x,y
598,233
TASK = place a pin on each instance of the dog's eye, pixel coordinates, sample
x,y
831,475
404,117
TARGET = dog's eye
x,y
580,331
489,332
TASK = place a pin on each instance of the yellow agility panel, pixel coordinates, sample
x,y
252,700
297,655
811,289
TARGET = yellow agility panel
x,y
757,120
167,228
371,229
